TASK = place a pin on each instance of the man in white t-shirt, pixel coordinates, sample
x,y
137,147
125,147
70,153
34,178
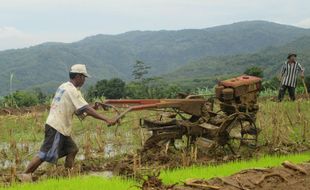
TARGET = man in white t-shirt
x,y
58,143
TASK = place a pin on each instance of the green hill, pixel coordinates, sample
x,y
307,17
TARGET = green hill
x,y
107,56
207,71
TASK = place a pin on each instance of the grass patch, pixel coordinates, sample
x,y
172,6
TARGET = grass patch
x,y
82,182
206,172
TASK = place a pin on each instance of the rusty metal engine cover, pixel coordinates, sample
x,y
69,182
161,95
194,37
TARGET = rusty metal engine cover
x,y
242,84
239,93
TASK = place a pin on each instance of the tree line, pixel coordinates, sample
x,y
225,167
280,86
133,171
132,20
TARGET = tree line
x,y
140,87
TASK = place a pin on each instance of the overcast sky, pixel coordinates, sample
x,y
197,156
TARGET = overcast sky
x,y
29,22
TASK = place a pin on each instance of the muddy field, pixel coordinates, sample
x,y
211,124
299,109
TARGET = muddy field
x,y
289,176
23,110
119,150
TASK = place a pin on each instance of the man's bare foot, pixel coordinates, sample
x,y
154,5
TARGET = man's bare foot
x,y
24,177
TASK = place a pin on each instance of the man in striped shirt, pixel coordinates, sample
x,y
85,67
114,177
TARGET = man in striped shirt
x,y
289,73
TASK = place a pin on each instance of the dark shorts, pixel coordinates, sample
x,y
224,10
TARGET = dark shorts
x,y
56,145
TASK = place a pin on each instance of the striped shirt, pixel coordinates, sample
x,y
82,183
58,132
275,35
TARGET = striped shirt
x,y
290,73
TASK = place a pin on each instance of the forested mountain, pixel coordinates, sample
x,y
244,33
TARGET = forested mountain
x,y
207,71
108,56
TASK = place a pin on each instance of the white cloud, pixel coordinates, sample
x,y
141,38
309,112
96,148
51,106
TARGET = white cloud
x,y
7,31
304,23
38,21
13,38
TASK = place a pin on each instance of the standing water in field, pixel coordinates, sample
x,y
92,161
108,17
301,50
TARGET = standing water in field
x,y
19,154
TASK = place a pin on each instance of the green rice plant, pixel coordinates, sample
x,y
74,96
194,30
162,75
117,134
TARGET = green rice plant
x,y
268,93
81,183
207,172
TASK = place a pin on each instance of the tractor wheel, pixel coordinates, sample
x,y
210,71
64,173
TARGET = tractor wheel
x,y
238,132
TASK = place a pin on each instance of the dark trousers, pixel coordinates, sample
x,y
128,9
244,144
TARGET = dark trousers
x,y
291,92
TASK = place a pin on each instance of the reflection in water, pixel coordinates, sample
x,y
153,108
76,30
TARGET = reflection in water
x,y
25,151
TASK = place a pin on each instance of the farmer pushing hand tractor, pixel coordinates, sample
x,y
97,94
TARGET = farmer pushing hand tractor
x,y
289,73
58,143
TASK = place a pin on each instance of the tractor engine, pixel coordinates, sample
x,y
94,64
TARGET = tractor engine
x,y
239,94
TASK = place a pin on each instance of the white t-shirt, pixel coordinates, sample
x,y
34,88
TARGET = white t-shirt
x,y
67,100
